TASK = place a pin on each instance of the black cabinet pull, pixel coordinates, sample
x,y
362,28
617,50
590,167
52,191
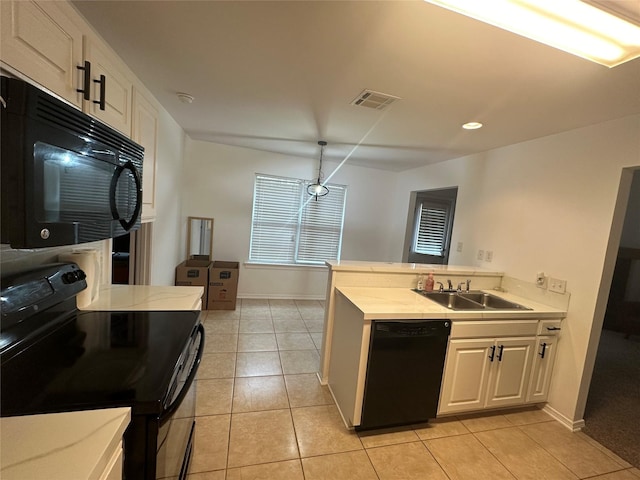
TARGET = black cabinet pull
x,y
544,349
86,80
103,88
553,328
500,348
493,352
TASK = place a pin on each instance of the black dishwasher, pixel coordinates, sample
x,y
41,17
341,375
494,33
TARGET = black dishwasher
x,y
404,372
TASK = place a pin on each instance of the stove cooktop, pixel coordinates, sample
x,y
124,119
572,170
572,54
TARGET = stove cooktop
x,y
96,359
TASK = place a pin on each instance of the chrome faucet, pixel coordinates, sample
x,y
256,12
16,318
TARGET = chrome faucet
x,y
468,283
441,288
450,285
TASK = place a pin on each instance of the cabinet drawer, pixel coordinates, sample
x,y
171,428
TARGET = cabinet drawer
x,y
493,328
549,327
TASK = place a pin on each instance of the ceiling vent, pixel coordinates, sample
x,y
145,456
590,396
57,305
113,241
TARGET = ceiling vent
x,y
375,100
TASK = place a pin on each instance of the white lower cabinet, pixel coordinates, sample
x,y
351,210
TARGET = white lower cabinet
x,y
482,373
114,468
498,363
466,375
509,374
542,368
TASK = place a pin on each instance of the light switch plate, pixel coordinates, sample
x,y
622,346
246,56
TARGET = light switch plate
x,y
480,254
488,256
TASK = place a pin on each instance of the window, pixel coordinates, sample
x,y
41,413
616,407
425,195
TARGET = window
x,y
428,234
291,227
431,233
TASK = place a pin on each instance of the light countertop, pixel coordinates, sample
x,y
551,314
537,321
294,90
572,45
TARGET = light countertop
x,y
415,268
65,446
145,297
403,303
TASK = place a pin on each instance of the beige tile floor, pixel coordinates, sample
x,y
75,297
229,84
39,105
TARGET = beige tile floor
x,y
262,414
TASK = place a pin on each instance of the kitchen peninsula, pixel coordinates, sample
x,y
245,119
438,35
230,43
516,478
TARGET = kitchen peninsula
x,y
359,293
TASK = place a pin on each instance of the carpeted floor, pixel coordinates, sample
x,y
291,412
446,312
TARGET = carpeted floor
x,y
612,415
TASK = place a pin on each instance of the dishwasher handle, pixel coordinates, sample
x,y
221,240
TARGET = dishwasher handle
x,y
410,329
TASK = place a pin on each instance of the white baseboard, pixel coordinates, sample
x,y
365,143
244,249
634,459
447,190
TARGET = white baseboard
x,y
259,296
573,425
344,420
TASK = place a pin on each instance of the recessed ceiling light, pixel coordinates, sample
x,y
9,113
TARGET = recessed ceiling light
x,y
569,25
472,125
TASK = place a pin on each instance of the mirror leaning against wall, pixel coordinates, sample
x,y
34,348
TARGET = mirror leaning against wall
x,y
200,236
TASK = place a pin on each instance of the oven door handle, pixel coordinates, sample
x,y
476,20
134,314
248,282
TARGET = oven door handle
x,y
171,409
112,195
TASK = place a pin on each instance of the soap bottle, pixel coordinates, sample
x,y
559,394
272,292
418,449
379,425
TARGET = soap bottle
x,y
428,286
420,285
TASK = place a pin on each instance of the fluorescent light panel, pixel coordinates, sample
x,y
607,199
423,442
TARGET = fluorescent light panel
x,y
569,25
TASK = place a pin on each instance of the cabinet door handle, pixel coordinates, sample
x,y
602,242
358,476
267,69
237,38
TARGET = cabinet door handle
x,y
103,89
86,80
553,328
493,352
500,348
544,349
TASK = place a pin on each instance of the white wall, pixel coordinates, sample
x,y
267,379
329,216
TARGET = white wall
x,y
543,205
170,227
219,183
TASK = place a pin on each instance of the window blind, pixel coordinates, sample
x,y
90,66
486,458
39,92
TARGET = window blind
x,y
321,226
291,227
432,229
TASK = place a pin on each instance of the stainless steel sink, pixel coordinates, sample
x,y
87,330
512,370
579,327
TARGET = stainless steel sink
x,y
492,301
452,301
474,300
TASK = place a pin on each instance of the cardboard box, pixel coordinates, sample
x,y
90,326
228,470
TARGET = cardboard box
x,y
223,286
199,257
194,273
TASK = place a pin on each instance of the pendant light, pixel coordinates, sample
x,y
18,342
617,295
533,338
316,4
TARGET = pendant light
x,y
318,189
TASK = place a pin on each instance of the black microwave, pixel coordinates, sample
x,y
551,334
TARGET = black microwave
x,y
66,177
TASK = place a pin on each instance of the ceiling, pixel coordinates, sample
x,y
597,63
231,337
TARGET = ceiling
x,y
279,76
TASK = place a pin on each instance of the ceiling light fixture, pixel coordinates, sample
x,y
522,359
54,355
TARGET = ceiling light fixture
x,y
569,25
318,189
185,97
472,125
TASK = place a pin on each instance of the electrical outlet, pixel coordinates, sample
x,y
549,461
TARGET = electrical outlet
x,y
556,285
459,249
480,255
488,255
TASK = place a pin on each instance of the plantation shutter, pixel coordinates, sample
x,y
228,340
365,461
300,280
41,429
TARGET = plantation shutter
x,y
321,226
432,229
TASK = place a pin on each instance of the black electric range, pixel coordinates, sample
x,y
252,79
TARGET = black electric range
x,y
55,358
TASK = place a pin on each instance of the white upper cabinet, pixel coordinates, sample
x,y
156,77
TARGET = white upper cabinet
x,y
111,87
51,44
40,41
145,132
